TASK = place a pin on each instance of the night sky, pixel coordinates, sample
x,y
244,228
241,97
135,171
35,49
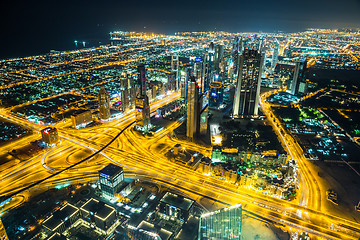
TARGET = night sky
x,y
34,27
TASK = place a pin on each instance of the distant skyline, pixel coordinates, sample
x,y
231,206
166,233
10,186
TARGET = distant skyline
x,y
36,27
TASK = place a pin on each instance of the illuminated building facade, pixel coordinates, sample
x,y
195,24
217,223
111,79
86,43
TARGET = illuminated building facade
x,y
223,224
175,207
171,84
104,104
193,110
216,95
185,85
175,69
142,106
219,54
50,136
298,84
99,213
3,235
246,102
111,179
275,55
81,118
204,75
141,81
62,219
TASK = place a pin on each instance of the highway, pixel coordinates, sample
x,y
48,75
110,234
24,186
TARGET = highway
x,y
139,155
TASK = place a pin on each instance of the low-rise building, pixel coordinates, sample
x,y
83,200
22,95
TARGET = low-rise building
x,y
175,207
98,213
81,118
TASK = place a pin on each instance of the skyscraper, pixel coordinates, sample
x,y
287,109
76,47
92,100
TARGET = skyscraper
x,y
104,104
248,84
223,224
205,74
219,54
193,109
185,85
142,106
141,81
124,89
3,235
275,55
216,95
143,112
298,83
175,69
171,84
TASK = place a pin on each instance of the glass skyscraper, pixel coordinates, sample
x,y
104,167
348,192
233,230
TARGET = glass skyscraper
x,y
223,224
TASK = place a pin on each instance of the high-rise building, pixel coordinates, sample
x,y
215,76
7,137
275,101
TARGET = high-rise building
x,y
223,224
248,84
171,84
198,71
235,46
216,95
50,136
104,104
142,106
275,54
111,179
194,106
204,122
3,235
125,100
175,69
219,54
211,48
185,84
298,84
205,74
141,81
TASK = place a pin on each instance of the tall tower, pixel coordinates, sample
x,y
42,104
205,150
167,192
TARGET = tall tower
x,y
171,84
205,73
248,84
185,85
175,69
219,54
104,104
3,235
124,89
142,106
298,84
275,55
193,109
141,81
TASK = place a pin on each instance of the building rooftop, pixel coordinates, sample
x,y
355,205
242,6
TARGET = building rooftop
x,y
177,201
62,215
79,111
111,170
57,236
99,208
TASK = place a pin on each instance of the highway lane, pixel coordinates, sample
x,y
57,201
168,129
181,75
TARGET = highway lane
x,y
136,156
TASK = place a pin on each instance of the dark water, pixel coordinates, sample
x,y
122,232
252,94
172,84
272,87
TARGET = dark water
x,y
43,41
